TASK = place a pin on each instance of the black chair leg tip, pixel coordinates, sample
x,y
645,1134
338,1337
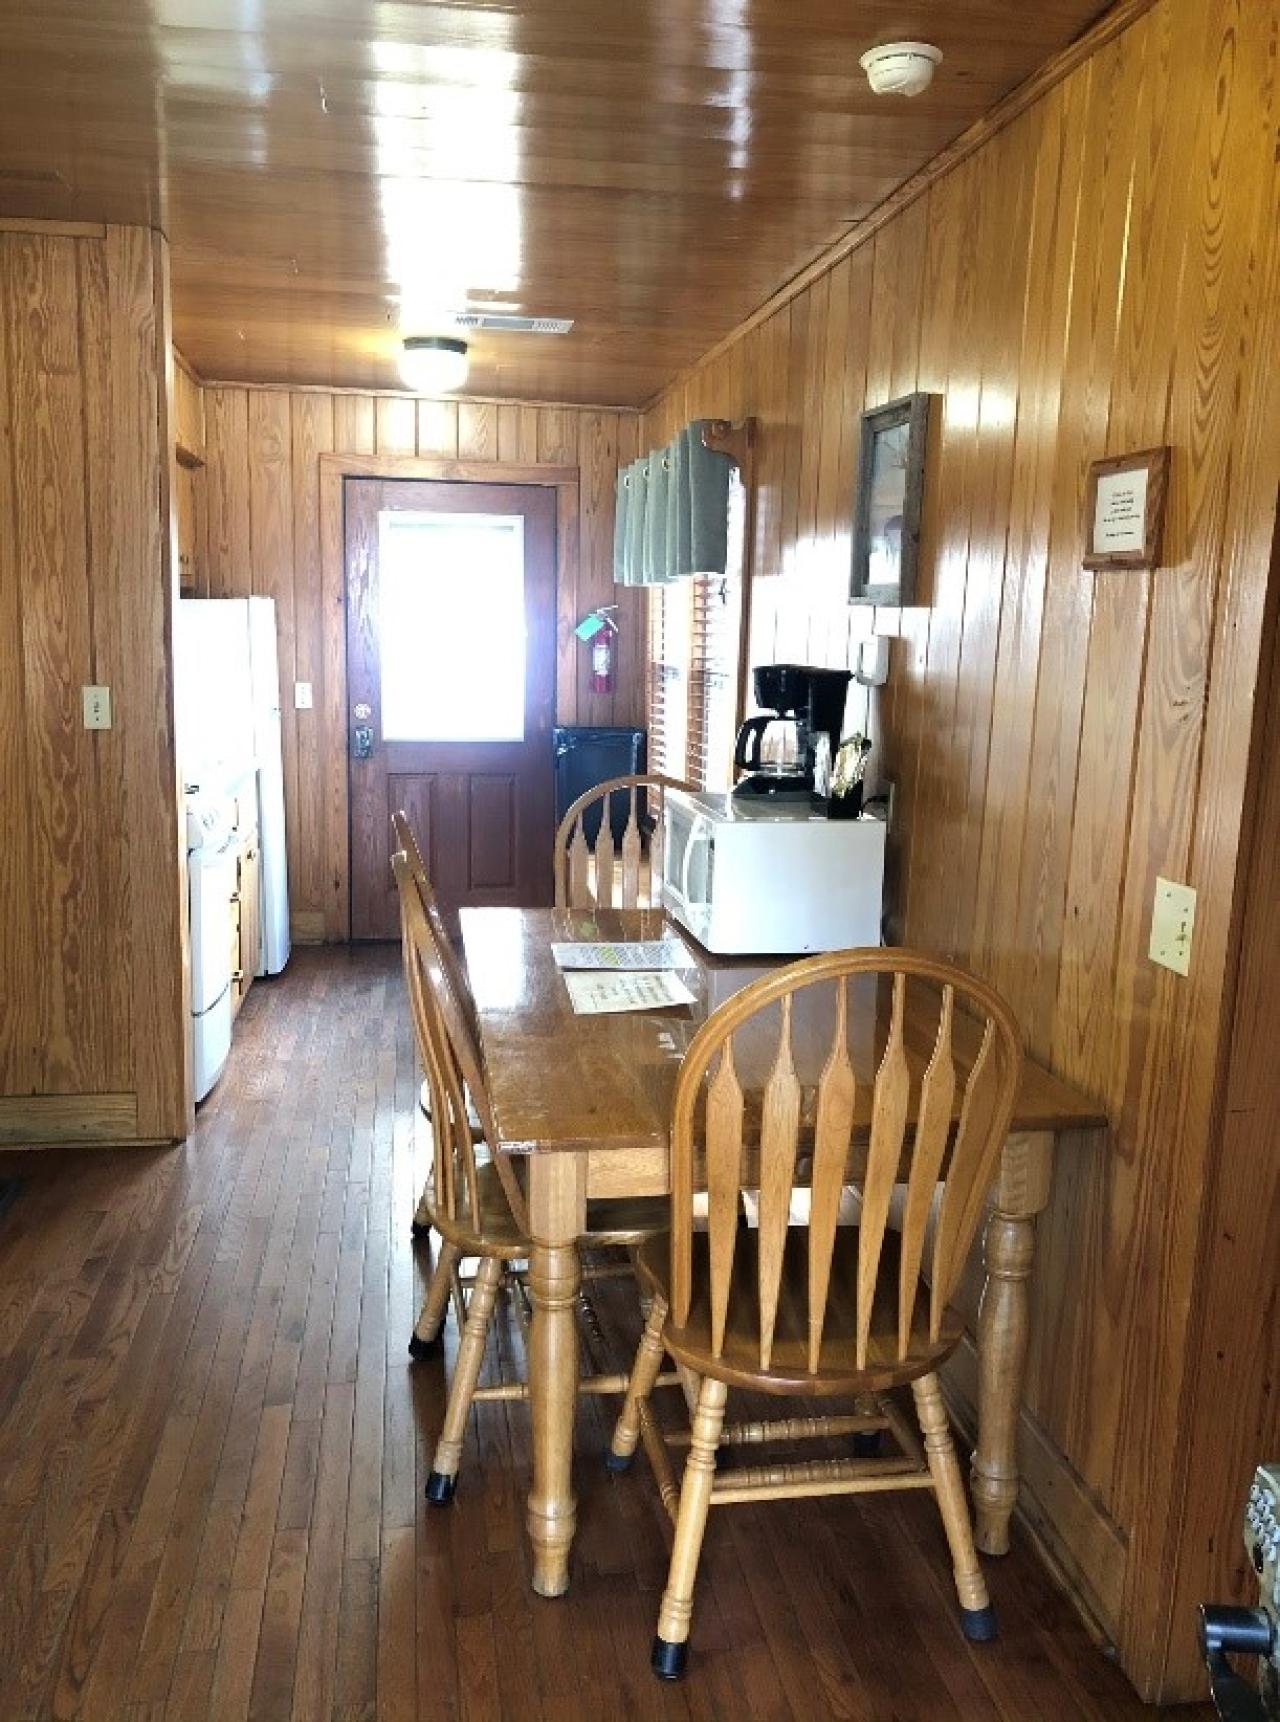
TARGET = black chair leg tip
x,y
423,1348
668,1660
440,1489
617,1462
978,1624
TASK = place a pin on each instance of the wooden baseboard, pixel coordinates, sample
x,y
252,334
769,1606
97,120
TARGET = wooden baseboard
x,y
53,229
306,927
1085,1548
36,1120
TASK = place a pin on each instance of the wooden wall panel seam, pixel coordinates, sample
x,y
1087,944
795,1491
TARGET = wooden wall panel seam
x,y
19,1046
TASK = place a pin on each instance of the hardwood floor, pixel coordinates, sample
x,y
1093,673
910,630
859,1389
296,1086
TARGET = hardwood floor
x,y
213,1447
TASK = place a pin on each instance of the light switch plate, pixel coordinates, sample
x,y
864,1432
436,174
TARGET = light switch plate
x,y
302,701
1173,919
97,707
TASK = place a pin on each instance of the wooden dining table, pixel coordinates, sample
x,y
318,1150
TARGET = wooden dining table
x,y
587,1099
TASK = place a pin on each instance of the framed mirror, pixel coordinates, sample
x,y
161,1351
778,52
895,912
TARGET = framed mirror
x,y
887,502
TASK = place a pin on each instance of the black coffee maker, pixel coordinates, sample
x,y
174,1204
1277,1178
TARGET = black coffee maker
x,y
779,750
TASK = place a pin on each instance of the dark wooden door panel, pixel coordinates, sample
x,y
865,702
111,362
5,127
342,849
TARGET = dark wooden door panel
x,y
483,809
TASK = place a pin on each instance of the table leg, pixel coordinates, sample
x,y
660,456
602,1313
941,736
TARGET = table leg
x,y
1003,1322
557,1215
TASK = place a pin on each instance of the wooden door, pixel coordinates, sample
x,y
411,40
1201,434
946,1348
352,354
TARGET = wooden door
x,y
451,650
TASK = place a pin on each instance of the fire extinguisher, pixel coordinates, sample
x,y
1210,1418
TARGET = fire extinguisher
x,y
602,639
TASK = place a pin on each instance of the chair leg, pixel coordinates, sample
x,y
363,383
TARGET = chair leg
x,y
977,1617
671,1645
444,1468
425,1339
421,1216
644,1372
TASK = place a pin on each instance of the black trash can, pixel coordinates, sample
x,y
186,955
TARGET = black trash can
x,y
587,755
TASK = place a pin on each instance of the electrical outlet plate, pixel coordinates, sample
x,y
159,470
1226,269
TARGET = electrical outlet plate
x,y
97,707
302,700
1173,919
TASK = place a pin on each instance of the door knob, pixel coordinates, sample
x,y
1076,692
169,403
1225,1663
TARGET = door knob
x,y
362,741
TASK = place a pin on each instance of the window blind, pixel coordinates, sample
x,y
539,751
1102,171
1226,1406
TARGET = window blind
x,y
695,647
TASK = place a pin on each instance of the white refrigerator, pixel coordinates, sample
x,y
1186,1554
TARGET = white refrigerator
x,y
227,687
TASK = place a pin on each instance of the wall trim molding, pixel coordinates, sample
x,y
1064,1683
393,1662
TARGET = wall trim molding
x,y
46,1120
408,395
1103,30
53,229
1063,1517
443,469
184,364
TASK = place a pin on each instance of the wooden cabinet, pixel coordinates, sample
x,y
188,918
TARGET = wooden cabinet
x,y
246,921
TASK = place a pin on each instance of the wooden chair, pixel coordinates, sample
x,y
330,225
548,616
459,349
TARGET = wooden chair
x,y
475,1203
591,878
425,1338
817,1310
404,838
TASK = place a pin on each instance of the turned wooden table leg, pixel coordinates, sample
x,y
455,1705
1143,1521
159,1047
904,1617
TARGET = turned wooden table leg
x,y
1003,1322
557,1214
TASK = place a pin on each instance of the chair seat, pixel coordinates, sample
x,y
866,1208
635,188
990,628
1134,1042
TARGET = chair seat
x,y
497,1234
617,1220
739,1361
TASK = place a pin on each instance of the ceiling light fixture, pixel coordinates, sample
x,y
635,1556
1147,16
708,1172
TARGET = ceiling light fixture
x,y
900,68
433,364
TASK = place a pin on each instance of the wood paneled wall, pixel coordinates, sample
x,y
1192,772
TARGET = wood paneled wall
x,y
262,452
1101,276
92,1006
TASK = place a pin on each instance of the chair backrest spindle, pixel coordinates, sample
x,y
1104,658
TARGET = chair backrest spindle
x,y
933,1128
450,1052
833,1129
779,1143
828,1122
891,1098
404,839
609,875
453,1152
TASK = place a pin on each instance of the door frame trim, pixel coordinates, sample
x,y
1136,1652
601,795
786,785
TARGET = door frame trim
x,y
335,469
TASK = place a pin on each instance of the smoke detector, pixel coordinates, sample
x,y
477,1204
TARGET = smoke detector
x,y
900,68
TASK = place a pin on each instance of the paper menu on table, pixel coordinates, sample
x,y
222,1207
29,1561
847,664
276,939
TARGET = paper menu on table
x,y
598,992
602,954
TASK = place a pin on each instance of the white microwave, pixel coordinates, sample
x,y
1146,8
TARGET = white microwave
x,y
773,881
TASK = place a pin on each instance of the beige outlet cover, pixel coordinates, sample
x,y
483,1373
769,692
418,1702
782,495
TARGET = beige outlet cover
x,y
1173,919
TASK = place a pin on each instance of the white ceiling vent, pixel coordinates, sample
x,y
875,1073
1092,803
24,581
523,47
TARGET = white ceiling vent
x,y
507,323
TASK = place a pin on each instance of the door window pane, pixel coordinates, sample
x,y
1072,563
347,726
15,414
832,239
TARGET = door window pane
x,y
451,626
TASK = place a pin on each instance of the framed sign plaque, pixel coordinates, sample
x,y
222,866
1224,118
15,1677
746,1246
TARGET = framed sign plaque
x,y
1124,512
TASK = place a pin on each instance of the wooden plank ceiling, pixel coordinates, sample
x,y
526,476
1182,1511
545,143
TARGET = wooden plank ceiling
x,y
328,168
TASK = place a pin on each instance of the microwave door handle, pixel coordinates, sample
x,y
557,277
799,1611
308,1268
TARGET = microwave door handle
x,y
699,832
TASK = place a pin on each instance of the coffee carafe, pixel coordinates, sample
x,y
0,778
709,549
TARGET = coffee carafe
x,y
801,724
